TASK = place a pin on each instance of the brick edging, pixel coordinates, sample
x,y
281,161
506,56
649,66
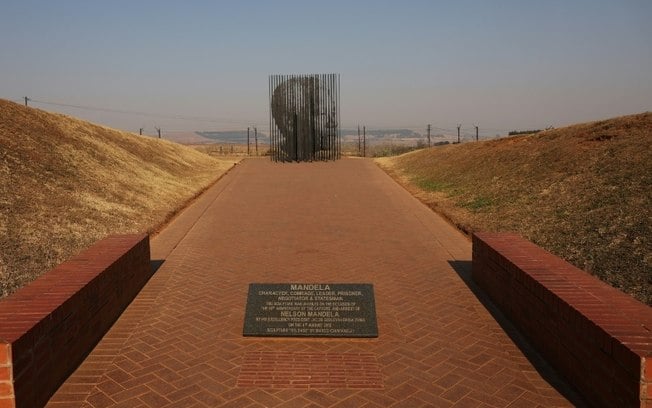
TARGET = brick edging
x,y
50,325
599,338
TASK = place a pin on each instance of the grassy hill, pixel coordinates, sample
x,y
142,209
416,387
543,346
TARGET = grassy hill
x,y
65,183
583,192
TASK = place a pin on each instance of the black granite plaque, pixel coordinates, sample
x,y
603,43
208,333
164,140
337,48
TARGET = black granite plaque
x,y
311,310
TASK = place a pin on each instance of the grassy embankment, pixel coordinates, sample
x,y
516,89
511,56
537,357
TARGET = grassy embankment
x,y
65,183
583,192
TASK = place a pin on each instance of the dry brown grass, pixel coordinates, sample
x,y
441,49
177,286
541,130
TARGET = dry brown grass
x,y
65,183
583,192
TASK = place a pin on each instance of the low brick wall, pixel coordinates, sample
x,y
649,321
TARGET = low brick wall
x,y
599,338
50,325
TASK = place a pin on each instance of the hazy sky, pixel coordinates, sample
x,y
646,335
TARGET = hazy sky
x,y
500,64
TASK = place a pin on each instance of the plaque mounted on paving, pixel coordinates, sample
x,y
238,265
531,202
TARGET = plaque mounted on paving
x,y
311,310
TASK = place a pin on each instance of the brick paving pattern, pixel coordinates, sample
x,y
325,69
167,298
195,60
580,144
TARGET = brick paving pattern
x,y
270,369
441,343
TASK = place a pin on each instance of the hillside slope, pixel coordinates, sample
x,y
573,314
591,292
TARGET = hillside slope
x,y
65,183
583,192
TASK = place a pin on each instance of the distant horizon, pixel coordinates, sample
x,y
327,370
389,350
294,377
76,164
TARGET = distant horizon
x,y
502,65
465,131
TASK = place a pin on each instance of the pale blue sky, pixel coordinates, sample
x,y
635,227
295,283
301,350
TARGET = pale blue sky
x,y
502,64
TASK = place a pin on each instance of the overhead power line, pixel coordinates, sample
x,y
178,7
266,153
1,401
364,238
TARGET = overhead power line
x,y
231,121
139,113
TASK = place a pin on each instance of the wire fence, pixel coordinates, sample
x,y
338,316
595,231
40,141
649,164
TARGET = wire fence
x,y
228,131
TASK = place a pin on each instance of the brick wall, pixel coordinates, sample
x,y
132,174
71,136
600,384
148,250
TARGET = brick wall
x,y
599,338
50,325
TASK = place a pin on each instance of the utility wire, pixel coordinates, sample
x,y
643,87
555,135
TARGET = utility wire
x,y
138,113
231,121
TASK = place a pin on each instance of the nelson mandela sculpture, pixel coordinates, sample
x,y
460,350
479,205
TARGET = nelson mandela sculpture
x,y
304,117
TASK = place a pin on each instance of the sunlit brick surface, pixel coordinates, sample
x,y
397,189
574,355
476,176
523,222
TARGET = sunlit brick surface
x,y
48,326
597,336
180,342
270,369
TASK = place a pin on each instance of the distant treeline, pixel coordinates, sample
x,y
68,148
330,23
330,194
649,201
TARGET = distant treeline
x,y
524,132
382,133
237,136
390,149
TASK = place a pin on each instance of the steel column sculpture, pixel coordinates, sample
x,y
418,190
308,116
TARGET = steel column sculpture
x,y
304,117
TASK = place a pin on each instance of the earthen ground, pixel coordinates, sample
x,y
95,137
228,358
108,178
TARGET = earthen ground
x,y
441,343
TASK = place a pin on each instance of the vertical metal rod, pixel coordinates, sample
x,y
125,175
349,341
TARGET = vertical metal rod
x,y
305,86
332,110
364,141
276,124
315,94
314,116
275,143
269,105
288,137
247,141
299,108
284,137
297,124
271,132
322,116
329,115
334,149
339,121
272,123
271,117
293,119
302,112
359,143
315,113
295,95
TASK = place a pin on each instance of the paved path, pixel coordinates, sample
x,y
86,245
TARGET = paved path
x,y
180,343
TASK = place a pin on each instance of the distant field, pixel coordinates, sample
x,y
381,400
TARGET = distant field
x,y
583,192
65,183
226,150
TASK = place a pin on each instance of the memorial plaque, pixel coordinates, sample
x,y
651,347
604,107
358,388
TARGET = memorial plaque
x,y
311,310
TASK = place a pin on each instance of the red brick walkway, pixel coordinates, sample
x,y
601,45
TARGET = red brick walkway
x,y
180,342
